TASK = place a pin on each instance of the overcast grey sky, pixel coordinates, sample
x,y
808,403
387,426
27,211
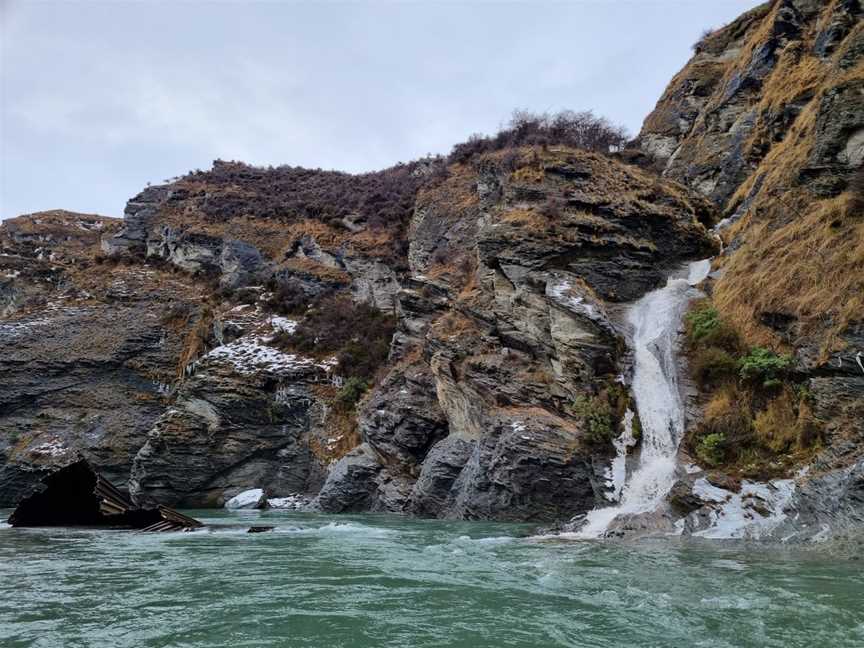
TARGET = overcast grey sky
x,y
99,98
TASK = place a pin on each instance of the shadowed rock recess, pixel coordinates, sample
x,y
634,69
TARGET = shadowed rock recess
x,y
446,338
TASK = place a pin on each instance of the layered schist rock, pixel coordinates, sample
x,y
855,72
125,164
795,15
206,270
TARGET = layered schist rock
x,y
244,414
135,368
518,266
86,357
505,281
767,120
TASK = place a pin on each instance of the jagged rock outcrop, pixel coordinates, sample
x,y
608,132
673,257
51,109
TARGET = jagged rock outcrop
x,y
245,414
508,319
131,367
86,356
767,120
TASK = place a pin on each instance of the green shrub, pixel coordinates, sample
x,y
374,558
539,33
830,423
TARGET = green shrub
x,y
712,448
712,365
702,322
597,414
705,328
351,393
764,366
728,418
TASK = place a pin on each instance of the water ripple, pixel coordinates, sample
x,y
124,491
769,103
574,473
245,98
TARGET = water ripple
x,y
381,581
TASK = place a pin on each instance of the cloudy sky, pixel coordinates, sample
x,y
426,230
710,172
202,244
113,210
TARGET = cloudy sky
x,y
99,98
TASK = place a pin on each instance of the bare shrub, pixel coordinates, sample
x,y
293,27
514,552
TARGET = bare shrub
x,y
582,130
357,334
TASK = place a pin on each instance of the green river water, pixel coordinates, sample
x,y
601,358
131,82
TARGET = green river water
x,y
387,581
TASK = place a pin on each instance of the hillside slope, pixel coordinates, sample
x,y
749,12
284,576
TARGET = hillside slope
x,y
767,120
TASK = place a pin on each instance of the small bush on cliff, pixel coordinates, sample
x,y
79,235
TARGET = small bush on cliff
x,y
287,298
582,130
705,328
764,367
712,366
726,427
357,334
712,448
351,393
597,414
787,424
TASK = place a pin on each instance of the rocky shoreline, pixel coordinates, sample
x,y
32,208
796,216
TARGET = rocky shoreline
x,y
224,336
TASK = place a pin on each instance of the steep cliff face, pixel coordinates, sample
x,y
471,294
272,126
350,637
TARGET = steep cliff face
x,y
509,359
86,358
767,120
97,361
169,365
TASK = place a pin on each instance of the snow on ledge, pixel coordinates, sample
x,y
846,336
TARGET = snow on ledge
x,y
283,324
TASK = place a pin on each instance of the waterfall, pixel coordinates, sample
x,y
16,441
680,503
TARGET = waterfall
x,y
654,320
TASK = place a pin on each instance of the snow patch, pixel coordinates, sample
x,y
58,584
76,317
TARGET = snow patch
x,y
752,513
294,502
562,292
283,324
55,448
249,355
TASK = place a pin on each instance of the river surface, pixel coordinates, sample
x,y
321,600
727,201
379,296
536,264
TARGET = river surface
x,y
387,581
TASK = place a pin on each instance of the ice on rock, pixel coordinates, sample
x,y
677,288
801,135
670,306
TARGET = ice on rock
x,y
654,320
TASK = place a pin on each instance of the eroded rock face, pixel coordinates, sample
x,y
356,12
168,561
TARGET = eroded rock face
x,y
510,316
507,313
767,120
744,90
242,416
79,379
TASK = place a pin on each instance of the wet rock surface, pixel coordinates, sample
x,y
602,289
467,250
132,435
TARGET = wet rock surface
x,y
475,419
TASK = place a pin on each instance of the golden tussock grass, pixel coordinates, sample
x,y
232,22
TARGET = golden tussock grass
x,y
811,267
315,269
799,255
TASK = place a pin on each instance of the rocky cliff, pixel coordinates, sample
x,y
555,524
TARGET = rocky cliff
x,y
767,121
509,341
446,338
203,328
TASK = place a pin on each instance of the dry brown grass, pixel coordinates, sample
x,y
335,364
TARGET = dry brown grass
x,y
776,425
800,255
341,426
529,175
811,267
453,324
315,269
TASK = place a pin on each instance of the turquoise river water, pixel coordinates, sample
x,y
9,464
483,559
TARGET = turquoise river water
x,y
386,581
